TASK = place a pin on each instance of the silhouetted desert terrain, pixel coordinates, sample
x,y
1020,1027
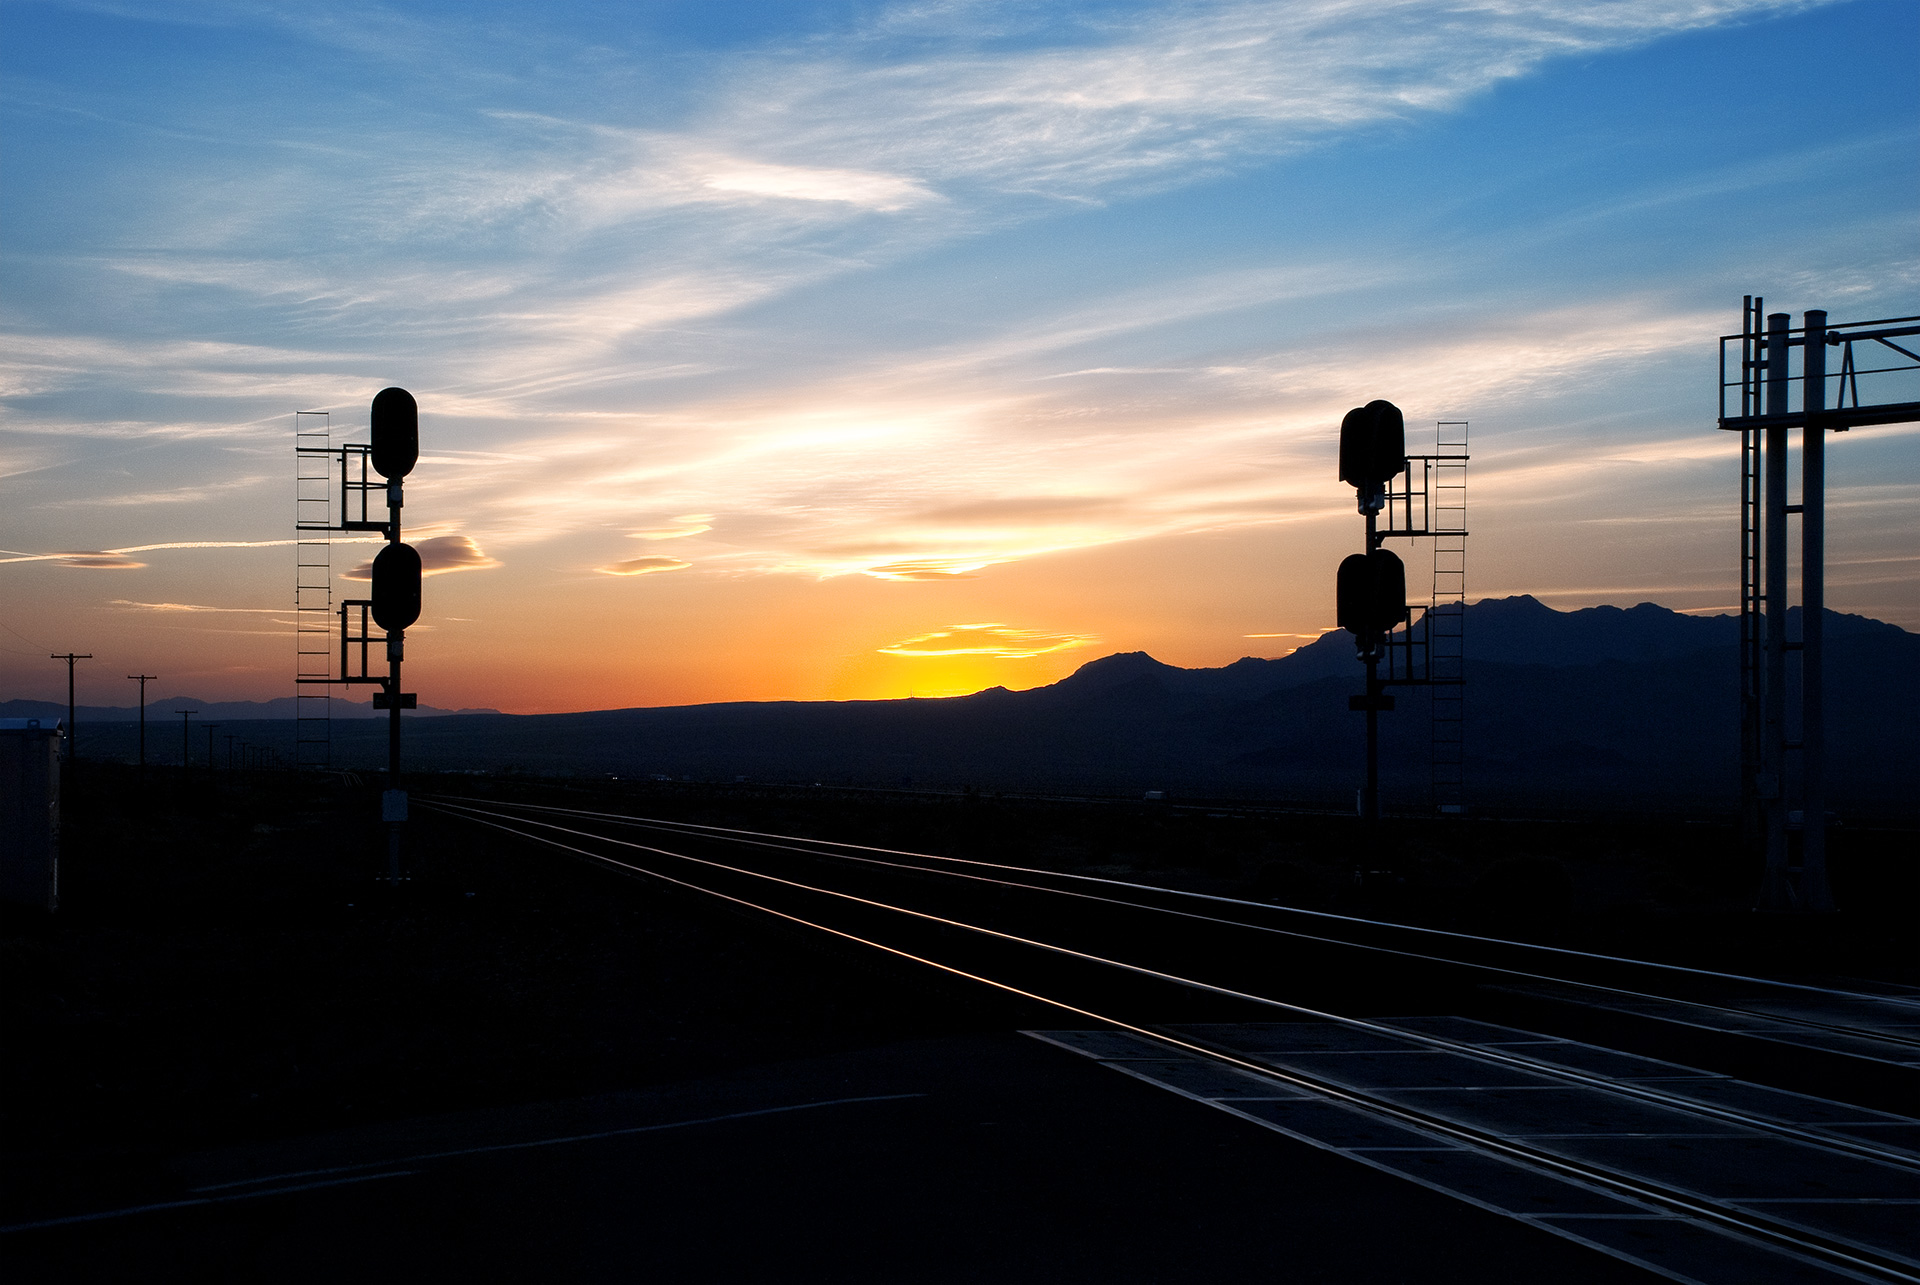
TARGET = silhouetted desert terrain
x,y
1592,710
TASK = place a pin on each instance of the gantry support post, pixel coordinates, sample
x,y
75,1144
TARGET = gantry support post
x,y
1370,797
1777,892
1814,893
393,805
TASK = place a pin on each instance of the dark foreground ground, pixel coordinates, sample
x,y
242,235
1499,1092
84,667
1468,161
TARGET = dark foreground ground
x,y
227,988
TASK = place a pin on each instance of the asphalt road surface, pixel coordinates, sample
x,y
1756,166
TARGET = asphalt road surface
x,y
972,1158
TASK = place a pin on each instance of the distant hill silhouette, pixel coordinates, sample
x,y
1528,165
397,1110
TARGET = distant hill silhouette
x,y
1520,630
1601,707
170,706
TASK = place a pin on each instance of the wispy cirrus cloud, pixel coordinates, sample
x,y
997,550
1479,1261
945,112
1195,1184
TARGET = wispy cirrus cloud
x,y
934,121
884,192
865,301
176,544
192,607
930,569
646,566
1002,642
198,494
91,560
882,472
1155,95
687,524
438,555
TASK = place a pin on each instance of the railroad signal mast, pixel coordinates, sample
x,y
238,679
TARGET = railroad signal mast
x,y
1783,722
395,601
1371,586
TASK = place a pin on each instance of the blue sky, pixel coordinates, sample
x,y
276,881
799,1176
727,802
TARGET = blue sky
x,y
758,342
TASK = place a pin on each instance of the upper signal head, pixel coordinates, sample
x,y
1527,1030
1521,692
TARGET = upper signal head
x,y
1373,444
396,432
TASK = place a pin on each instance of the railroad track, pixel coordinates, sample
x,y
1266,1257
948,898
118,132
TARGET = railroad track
x,y
1283,1016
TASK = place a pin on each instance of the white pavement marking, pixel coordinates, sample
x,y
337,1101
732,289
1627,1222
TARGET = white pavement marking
x,y
1667,1245
131,1210
202,1197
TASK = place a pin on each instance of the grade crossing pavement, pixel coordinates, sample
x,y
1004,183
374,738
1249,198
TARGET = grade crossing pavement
x,y
1685,1173
971,1157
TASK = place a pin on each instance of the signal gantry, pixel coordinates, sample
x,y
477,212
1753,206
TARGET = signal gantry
x,y
394,427
1783,738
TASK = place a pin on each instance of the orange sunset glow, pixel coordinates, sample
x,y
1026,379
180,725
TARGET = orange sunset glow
x,y
943,382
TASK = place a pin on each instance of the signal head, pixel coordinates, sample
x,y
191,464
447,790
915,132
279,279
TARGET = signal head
x,y
1371,593
396,587
396,432
1373,444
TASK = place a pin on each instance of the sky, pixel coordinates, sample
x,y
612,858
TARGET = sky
x,y
867,350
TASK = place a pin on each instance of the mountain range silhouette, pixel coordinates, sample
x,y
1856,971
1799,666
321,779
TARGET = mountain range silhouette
x,y
1601,707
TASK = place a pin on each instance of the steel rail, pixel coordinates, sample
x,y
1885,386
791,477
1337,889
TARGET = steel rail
x,y
1863,1032
751,836
1745,1223
1840,1143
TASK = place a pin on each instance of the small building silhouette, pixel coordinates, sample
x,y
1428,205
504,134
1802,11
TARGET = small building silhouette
x,y
30,811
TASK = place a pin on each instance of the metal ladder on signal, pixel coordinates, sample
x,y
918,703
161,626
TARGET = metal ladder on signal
x,y
1446,615
313,590
1753,597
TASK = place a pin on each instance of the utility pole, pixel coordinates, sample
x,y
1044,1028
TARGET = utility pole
x,y
143,680
229,751
70,657
209,727
186,763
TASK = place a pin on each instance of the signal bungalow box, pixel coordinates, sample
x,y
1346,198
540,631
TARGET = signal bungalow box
x,y
30,812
